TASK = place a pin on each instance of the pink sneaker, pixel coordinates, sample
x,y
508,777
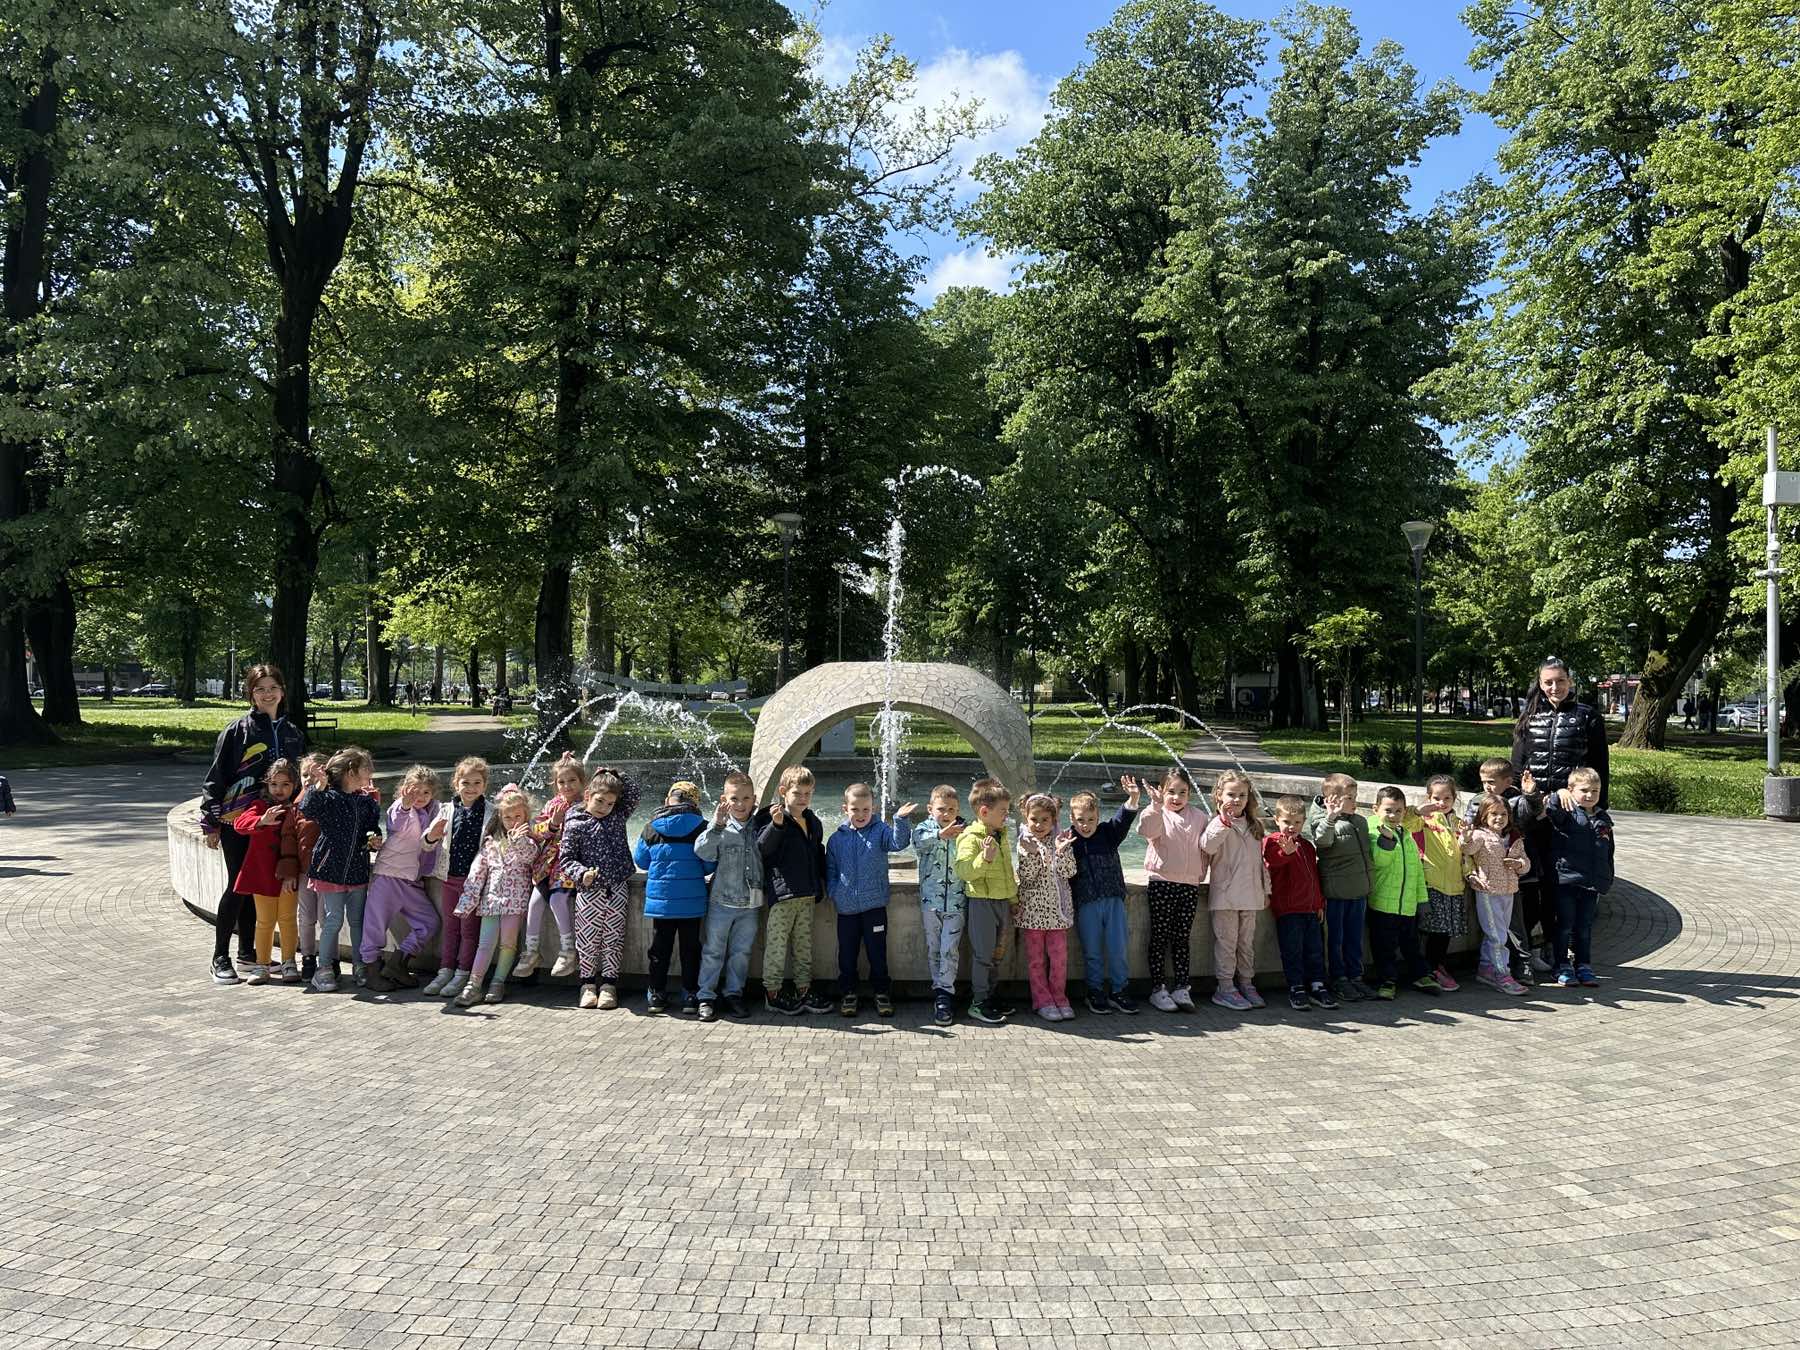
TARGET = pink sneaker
x,y
1508,985
1448,985
1248,993
1230,998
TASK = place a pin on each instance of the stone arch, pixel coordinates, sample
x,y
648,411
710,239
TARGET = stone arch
x,y
981,711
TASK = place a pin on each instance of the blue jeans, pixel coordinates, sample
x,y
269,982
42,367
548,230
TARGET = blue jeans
x,y
1302,939
730,933
1344,936
1100,924
868,931
1576,907
335,904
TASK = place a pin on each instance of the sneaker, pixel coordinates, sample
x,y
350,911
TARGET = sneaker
x,y
847,1005
289,971
944,1013
527,962
1049,1012
775,1001
455,984
985,1012
1120,1003
1068,1013
1097,1005
1254,999
324,980
1445,981
1427,984
884,1006
1297,1000
565,965
1585,974
736,1009
590,997
656,1003
708,1013
1345,990
309,967
816,1002
470,995
690,1003
1320,997
1184,997
257,975
1508,985
1230,998
1540,964
1493,979
359,973
1362,990
1525,975
1388,991
496,992
246,961
222,971
438,981
1565,978
1160,1000
609,998
1005,1007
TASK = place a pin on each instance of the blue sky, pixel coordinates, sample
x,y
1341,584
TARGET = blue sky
x,y
1010,53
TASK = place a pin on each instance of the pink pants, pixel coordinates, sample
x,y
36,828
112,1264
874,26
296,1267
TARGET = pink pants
x,y
1047,965
462,932
1234,946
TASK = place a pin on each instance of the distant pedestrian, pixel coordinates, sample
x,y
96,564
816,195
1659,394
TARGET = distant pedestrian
x,y
1687,712
6,797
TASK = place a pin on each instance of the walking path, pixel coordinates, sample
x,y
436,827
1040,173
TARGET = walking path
x,y
209,1168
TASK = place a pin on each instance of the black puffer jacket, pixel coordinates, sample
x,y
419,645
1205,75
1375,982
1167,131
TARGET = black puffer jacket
x,y
793,854
1559,737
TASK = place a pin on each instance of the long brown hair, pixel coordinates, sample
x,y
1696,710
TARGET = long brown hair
x,y
1536,699
263,670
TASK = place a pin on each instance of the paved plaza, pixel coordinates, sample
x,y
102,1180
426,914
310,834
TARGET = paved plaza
x,y
208,1168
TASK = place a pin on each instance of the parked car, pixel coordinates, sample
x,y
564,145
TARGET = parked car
x,y
155,690
1741,716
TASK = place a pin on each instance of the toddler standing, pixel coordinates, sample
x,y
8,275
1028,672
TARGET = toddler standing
x,y
1176,865
733,897
1238,889
1346,875
348,815
792,840
1397,889
1494,851
397,890
499,892
984,864
1099,892
305,835
1045,910
1444,915
943,902
463,820
674,893
1298,905
268,817
1581,850
856,879
550,887
597,859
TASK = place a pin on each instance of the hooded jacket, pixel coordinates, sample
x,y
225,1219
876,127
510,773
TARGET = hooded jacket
x,y
676,887
1044,873
984,880
265,823
1174,852
793,854
1236,875
1345,871
593,848
241,756
856,868
1559,737
940,889
1397,872
345,820
1581,845
1293,878
1496,862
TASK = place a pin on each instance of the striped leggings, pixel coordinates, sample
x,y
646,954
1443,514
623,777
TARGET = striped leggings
x,y
600,930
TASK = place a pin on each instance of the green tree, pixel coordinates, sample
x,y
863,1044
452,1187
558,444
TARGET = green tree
x,y
1336,640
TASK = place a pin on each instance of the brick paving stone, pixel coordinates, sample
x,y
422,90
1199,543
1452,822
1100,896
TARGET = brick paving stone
x,y
220,1169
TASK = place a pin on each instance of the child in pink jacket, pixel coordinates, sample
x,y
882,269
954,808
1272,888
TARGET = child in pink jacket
x,y
1177,866
1238,888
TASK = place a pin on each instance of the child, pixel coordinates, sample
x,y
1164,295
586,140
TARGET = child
x,y
6,797
1239,889
792,840
1494,852
397,890
674,894
1044,911
1099,892
1396,890
856,879
298,864
1581,850
1497,780
733,897
943,902
1176,865
265,820
551,887
984,865
1444,915
1298,905
1346,875
499,891
348,815
597,859
463,820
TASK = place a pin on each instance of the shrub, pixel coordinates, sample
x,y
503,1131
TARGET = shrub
x,y
1399,759
1436,762
1371,756
1468,775
1653,789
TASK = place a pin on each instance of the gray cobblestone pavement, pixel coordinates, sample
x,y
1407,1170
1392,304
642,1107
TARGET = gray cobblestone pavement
x,y
215,1168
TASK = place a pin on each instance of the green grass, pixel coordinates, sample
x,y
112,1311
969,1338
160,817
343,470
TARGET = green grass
x,y
139,728
1713,775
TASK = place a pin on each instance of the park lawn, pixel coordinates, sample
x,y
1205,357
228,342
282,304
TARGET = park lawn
x,y
137,728
1718,775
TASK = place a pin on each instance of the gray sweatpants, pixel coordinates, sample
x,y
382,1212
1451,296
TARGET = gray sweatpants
x,y
943,935
984,923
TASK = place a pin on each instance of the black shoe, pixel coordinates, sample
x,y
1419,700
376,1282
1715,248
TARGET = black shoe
x,y
1002,1006
690,1003
884,1006
223,972
708,1013
1120,1003
1297,1001
847,1005
1320,997
775,1001
986,1012
657,1003
945,1012
309,967
1097,1004
817,1003
736,1009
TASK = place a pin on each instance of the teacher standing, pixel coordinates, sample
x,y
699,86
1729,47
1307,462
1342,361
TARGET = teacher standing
x,y
241,757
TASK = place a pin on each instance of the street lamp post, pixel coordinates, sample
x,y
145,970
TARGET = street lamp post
x,y
1418,533
787,522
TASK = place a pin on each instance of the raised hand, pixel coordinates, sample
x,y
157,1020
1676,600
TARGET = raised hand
x,y
1290,844
1528,783
1156,795
719,815
777,812
906,811
989,849
950,832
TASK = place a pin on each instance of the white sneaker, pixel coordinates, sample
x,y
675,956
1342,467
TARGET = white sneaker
x,y
609,998
590,997
1184,998
527,960
470,994
257,975
438,981
288,971
1160,1000
455,984
1050,1013
565,965
325,980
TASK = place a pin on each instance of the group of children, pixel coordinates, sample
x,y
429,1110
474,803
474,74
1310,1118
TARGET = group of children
x,y
478,874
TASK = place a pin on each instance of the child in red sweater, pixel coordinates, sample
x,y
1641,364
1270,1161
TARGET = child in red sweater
x,y
277,896
1298,906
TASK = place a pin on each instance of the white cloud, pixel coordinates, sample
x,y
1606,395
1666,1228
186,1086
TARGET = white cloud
x,y
1009,93
967,267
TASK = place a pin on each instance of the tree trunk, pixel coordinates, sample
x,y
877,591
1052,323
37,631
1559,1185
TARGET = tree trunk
x,y
500,685
1134,689
1187,682
337,665
187,683
1672,660
378,690
675,670
472,671
627,655
50,622
297,475
597,635
106,679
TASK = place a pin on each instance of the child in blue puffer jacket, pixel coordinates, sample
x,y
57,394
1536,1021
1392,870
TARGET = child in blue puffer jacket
x,y
856,879
675,893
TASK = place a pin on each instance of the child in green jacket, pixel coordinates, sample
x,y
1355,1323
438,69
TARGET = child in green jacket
x,y
1396,890
984,863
